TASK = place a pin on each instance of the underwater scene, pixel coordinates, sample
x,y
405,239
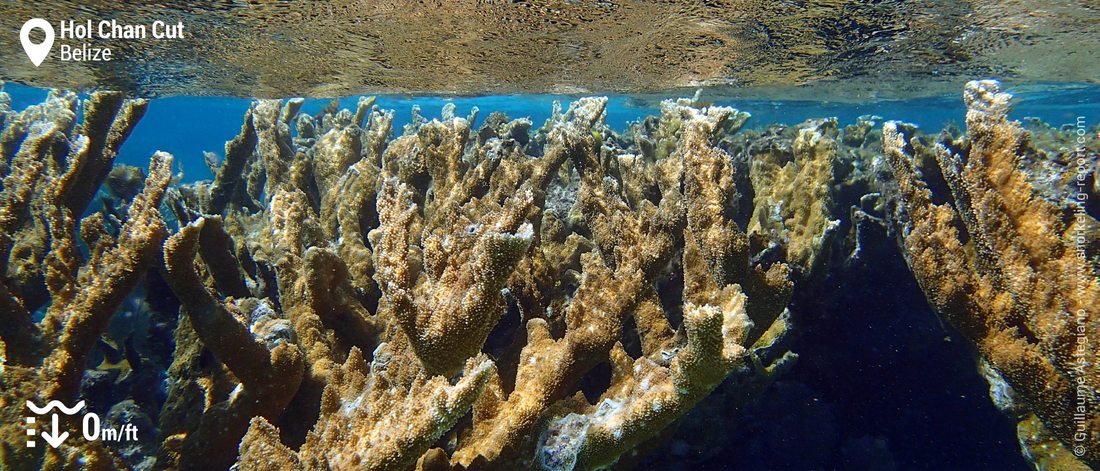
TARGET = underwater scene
x,y
550,235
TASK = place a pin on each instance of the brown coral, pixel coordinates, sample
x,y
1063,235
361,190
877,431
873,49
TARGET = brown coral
x,y
796,189
55,167
438,300
999,263
404,251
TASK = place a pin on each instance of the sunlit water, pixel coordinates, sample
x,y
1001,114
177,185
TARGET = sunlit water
x,y
848,50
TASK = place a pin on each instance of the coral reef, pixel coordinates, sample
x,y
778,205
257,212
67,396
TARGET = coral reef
x,y
391,306
796,186
64,277
1010,269
509,296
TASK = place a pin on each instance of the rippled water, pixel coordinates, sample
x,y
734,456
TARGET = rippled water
x,y
836,49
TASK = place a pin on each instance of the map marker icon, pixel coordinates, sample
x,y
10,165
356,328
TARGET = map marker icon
x,y
37,52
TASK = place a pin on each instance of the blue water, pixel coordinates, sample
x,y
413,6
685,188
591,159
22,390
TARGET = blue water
x,y
188,126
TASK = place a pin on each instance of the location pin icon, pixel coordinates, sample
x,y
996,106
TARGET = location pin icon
x,y
37,52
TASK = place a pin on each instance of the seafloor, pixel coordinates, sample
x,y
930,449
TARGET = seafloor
x,y
682,293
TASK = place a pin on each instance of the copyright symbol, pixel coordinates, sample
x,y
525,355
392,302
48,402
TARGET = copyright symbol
x,y
1079,450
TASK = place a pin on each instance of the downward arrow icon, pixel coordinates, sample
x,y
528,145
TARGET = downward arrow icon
x,y
55,439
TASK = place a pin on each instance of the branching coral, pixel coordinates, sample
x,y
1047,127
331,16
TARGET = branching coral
x,y
675,370
268,367
999,262
449,298
377,271
55,166
267,285
796,185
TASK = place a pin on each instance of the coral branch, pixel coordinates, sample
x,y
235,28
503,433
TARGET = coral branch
x,y
53,169
1017,289
393,416
81,311
268,367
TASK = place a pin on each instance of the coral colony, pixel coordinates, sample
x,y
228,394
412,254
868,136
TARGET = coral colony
x,y
341,298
